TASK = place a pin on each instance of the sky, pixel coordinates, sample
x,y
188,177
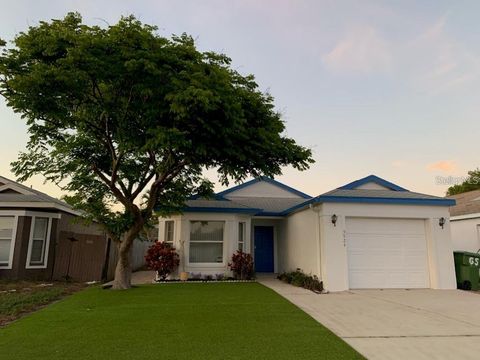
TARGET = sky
x,y
389,88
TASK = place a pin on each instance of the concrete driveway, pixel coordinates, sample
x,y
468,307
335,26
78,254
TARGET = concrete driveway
x,y
396,324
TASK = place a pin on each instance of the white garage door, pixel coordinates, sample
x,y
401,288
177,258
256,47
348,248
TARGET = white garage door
x,y
386,253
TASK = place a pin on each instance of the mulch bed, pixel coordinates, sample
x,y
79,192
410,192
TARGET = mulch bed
x,y
19,298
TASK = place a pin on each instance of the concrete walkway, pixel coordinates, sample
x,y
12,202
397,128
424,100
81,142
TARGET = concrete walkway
x,y
395,324
139,278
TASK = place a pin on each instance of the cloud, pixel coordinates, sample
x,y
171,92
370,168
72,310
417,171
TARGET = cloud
x,y
446,166
438,62
430,60
361,50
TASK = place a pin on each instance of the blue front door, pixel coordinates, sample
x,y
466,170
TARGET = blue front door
x,y
263,237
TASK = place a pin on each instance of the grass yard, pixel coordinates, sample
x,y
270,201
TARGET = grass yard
x,y
172,321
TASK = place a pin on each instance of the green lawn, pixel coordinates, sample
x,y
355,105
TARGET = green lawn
x,y
172,321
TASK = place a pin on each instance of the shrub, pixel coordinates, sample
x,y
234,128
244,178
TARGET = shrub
x,y
242,266
196,276
220,277
162,258
300,279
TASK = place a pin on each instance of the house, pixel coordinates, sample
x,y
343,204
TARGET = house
x,y
465,221
369,233
40,239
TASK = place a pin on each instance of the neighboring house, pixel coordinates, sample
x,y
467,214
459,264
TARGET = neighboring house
x,y
465,221
367,234
40,240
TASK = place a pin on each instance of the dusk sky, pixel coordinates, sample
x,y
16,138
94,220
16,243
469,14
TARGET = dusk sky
x,y
390,88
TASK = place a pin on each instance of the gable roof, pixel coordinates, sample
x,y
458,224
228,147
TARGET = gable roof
x,y
16,195
466,203
372,179
267,180
349,193
227,201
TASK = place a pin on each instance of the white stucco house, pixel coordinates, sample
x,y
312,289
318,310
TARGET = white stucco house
x,y
465,221
369,233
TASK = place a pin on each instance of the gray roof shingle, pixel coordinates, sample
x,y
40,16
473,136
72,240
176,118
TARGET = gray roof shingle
x,y
386,194
33,196
467,203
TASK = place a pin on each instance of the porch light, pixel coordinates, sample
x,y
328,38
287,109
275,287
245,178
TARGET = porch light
x,y
334,219
441,221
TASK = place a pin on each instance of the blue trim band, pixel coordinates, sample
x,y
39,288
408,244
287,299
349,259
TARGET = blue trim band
x,y
222,210
375,179
371,200
270,181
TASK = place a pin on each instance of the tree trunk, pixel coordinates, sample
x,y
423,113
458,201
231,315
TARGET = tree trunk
x,y
123,270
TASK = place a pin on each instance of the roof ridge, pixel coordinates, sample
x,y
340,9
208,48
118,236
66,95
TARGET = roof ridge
x,y
39,193
266,179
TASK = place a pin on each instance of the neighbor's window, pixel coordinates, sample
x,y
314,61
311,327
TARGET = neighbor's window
x,y
39,240
241,236
6,239
206,241
169,231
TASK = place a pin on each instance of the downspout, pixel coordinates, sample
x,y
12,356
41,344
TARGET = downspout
x,y
316,210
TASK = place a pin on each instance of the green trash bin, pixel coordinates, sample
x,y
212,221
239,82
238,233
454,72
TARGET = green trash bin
x,y
467,270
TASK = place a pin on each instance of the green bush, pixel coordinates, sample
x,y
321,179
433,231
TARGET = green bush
x,y
300,279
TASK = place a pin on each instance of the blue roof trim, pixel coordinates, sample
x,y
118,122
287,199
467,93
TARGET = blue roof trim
x,y
222,210
213,197
375,179
266,179
371,200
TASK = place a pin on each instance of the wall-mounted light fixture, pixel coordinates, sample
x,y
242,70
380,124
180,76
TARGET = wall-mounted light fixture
x,y
441,221
334,219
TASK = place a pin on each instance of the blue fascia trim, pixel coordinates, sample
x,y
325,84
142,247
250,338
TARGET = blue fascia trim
x,y
267,213
222,210
266,179
374,179
213,197
435,202
371,200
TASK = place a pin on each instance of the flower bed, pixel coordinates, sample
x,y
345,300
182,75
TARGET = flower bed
x,y
176,281
300,279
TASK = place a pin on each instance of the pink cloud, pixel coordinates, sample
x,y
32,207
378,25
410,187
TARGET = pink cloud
x,y
362,50
447,166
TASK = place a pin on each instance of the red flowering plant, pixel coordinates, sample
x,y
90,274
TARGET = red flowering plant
x,y
162,258
242,265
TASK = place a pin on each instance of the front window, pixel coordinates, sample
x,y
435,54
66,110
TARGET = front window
x,y
169,231
38,241
206,241
241,236
7,224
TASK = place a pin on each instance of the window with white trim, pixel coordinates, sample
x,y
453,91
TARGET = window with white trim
x,y
241,236
206,241
7,225
169,231
38,241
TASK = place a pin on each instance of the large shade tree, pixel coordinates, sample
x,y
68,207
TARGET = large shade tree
x,y
122,118
472,182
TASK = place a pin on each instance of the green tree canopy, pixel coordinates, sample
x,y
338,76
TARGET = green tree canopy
x,y
121,115
471,183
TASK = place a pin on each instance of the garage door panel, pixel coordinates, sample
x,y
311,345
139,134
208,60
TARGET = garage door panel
x,y
388,226
382,255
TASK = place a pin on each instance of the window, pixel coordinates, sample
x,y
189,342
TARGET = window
x,y
206,241
7,225
241,236
169,231
38,242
